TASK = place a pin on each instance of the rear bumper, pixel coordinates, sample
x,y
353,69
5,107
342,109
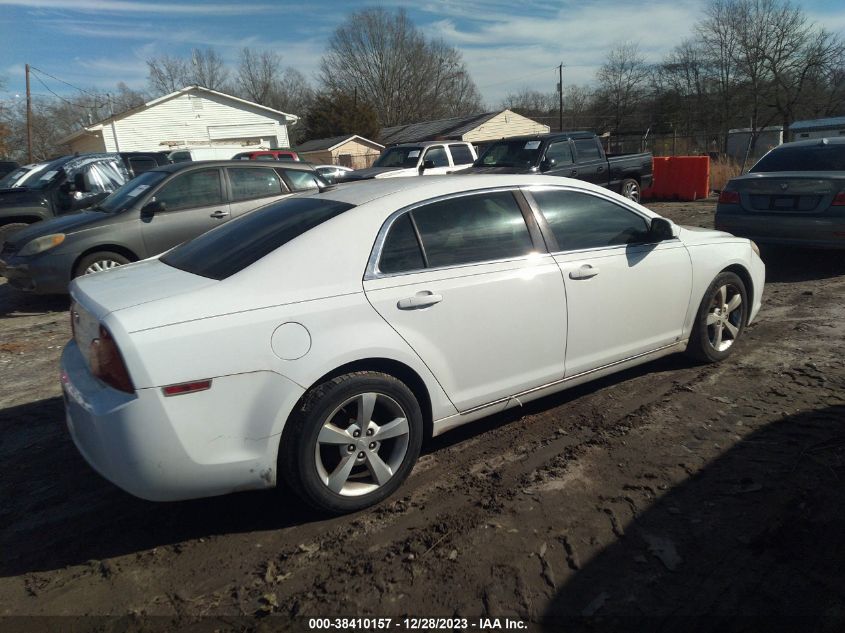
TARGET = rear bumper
x,y
784,230
168,449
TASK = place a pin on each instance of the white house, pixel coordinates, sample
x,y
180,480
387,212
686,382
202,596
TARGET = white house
x,y
188,118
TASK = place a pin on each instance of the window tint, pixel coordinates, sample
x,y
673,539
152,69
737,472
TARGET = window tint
x,y
472,229
806,158
139,165
461,154
302,180
437,155
243,241
254,183
587,148
560,152
180,157
401,251
581,220
194,189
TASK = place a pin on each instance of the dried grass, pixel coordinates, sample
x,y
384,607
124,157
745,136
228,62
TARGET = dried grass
x,y
721,171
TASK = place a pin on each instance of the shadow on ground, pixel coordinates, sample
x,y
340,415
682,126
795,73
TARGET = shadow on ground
x,y
789,265
754,542
78,516
15,303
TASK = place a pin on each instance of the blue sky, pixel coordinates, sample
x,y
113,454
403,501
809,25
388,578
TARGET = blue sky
x,y
507,45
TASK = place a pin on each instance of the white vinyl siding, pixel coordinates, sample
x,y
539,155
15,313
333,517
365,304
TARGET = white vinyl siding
x,y
503,125
192,119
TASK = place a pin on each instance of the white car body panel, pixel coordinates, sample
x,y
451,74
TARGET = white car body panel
x,y
504,333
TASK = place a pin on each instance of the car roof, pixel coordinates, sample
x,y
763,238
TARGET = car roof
x,y
427,187
427,143
813,142
174,167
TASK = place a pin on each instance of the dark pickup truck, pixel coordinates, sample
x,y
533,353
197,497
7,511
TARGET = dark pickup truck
x,y
58,187
571,154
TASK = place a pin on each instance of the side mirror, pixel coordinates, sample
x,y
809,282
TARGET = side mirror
x,y
151,208
547,164
660,230
427,164
79,182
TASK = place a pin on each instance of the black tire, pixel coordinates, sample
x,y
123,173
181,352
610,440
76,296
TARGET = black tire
x,y
630,188
7,229
92,259
301,460
704,337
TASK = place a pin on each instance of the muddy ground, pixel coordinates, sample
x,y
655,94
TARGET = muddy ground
x,y
671,497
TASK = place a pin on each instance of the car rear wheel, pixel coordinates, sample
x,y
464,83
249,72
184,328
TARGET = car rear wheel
x,y
720,320
7,230
352,442
98,262
631,189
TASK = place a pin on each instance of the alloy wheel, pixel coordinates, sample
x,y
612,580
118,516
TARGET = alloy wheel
x,y
101,265
632,191
724,317
362,444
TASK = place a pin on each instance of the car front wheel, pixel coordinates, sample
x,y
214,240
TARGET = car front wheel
x,y
98,262
352,442
631,189
720,320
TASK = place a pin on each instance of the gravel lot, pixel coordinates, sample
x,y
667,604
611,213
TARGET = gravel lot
x,y
694,494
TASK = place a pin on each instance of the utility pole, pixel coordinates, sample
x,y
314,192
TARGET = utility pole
x,y
28,117
560,94
113,128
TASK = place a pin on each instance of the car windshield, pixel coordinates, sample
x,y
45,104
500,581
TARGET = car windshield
x,y
239,243
399,157
43,175
13,176
803,158
125,197
515,153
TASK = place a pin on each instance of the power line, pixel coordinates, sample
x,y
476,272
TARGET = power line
x,y
63,81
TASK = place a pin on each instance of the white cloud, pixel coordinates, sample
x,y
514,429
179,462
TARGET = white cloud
x,y
134,6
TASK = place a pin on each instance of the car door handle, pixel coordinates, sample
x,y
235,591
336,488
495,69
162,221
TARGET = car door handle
x,y
600,168
419,300
219,214
574,172
584,272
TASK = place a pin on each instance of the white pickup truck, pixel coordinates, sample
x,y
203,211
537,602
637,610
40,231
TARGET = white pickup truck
x,y
430,158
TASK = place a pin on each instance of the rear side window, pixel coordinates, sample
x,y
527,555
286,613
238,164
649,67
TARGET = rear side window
x,y
470,229
401,251
198,188
248,183
233,246
587,148
560,152
461,154
141,164
581,220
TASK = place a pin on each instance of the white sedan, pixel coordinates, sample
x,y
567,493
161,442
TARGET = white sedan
x,y
319,340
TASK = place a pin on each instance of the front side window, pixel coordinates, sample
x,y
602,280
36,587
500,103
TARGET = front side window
x,y
582,220
302,180
399,157
198,188
461,154
513,153
248,183
470,229
437,155
560,153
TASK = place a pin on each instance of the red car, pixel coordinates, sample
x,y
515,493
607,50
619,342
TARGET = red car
x,y
267,154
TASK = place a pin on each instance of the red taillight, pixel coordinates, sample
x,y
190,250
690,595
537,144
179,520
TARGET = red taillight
x,y
838,200
107,363
186,387
729,197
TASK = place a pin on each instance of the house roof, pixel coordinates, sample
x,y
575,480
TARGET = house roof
x,y
454,127
99,125
328,144
818,124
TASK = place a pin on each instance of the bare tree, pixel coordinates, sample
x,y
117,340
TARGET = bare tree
x,y
258,74
381,57
623,79
528,102
167,74
207,69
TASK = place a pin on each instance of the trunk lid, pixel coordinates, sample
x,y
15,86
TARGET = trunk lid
x,y
804,193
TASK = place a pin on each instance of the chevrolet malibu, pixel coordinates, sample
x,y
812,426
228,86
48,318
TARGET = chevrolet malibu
x,y
320,340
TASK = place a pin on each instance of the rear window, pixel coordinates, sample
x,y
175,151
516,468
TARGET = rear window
x,y
806,158
230,248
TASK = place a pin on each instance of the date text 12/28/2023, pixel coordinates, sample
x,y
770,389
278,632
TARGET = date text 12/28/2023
x,y
416,624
